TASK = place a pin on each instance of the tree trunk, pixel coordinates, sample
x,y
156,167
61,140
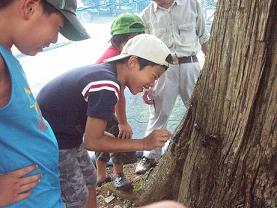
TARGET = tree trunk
x,y
224,153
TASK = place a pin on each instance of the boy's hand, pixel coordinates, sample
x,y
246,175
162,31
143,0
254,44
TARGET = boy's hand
x,y
156,139
15,187
125,131
147,96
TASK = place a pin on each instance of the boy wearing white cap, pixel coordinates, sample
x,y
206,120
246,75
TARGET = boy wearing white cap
x,y
123,28
80,102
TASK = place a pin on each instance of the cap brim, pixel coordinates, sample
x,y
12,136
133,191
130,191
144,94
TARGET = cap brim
x,y
72,29
118,57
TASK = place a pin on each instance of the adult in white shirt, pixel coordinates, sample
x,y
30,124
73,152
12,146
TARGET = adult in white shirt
x,y
180,24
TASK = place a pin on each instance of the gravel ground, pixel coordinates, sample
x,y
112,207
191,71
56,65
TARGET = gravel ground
x,y
108,197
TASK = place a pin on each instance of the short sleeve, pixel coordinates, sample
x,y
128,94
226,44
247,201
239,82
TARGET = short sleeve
x,y
101,97
101,104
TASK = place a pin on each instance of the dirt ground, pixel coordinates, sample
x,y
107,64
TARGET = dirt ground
x,y
108,197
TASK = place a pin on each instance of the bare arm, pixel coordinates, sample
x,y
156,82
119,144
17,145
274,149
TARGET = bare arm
x,y
97,140
125,130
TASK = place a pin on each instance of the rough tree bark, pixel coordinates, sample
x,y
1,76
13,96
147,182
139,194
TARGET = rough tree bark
x,y
224,153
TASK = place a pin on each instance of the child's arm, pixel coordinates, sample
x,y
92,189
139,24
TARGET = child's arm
x,y
125,130
97,140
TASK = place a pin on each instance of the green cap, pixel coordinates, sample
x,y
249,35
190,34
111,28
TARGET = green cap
x,y
72,29
127,23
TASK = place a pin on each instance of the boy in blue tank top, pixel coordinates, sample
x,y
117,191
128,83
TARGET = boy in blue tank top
x,y
29,175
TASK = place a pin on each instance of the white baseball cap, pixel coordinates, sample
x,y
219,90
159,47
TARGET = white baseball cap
x,y
144,46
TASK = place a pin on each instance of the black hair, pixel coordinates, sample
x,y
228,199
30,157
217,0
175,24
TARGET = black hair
x,y
117,40
4,3
144,62
46,6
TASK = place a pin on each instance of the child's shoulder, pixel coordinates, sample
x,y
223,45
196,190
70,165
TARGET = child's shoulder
x,y
98,73
105,71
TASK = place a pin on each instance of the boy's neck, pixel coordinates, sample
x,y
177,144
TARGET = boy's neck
x,y
5,38
121,69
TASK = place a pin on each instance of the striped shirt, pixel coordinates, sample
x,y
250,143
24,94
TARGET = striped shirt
x,y
68,100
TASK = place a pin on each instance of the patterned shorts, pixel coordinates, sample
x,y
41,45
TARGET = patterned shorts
x,y
77,174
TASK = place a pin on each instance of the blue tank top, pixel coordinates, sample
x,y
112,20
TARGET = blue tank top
x,y
27,139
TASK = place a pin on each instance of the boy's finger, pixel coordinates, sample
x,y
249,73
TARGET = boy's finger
x,y
30,179
168,134
24,171
161,143
129,135
27,187
164,139
119,134
22,196
123,135
165,134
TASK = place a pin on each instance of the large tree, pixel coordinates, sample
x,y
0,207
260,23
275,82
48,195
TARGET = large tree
x,y
224,153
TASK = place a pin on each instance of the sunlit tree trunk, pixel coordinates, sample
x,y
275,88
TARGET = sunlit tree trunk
x,y
224,154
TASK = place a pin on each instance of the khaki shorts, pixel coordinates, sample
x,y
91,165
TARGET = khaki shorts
x,y
77,174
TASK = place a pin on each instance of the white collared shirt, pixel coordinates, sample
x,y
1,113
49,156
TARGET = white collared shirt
x,y
181,27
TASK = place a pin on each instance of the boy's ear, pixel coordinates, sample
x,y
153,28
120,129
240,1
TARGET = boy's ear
x,y
132,62
28,7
